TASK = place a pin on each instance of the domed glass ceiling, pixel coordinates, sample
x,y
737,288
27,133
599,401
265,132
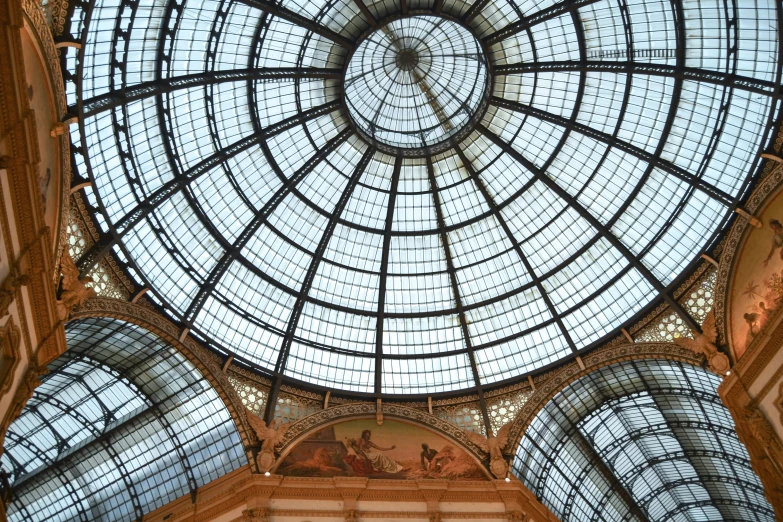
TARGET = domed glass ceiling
x,y
416,83
593,149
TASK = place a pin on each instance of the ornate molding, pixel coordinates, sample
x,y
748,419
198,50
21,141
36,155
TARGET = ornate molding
x,y
51,57
300,429
553,382
779,402
734,242
208,363
253,496
10,355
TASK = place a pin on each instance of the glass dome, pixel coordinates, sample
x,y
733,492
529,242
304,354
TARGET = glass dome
x,y
416,83
565,171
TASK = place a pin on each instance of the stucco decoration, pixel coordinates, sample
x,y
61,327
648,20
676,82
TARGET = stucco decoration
x,y
46,96
749,288
207,362
742,266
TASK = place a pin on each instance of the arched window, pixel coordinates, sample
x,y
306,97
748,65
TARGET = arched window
x,y
121,425
641,441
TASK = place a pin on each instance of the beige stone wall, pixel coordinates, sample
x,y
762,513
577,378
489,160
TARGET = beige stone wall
x,y
245,497
30,333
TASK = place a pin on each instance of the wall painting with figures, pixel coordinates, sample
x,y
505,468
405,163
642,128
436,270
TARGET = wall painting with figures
x,y
757,286
395,450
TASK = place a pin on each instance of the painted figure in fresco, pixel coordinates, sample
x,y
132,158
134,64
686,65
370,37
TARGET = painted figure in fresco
x,y
777,239
753,328
427,454
368,458
765,312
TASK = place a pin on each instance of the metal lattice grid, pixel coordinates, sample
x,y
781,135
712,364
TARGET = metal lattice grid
x,y
121,425
227,170
641,441
416,83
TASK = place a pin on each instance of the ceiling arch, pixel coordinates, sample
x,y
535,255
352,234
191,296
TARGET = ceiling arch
x,y
121,425
230,175
645,440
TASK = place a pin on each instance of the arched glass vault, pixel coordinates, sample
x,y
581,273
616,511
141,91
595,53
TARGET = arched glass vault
x,y
641,441
121,425
550,191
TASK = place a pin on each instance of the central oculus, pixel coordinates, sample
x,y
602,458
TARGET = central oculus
x,y
416,84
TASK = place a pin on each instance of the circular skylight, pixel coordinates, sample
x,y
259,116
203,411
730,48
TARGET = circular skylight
x,y
415,82
234,173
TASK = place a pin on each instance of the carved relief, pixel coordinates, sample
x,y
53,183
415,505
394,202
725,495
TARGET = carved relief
x,y
269,435
11,285
16,279
704,343
494,446
74,289
255,515
9,354
766,453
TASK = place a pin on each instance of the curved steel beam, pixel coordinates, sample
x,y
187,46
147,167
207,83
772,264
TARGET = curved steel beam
x,y
274,9
127,94
307,281
260,217
536,18
444,240
729,80
593,221
490,200
100,248
650,158
390,207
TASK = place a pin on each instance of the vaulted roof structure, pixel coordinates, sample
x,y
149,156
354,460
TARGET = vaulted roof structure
x,y
433,205
413,198
121,425
641,441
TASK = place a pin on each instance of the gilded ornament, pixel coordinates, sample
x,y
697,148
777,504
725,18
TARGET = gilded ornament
x,y
270,435
704,343
74,289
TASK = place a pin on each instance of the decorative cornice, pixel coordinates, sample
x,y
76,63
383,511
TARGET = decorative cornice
x,y
420,515
241,490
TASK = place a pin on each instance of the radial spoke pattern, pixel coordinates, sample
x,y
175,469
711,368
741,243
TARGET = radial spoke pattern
x,y
383,202
416,82
646,440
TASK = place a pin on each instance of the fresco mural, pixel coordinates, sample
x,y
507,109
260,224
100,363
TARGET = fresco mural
x,y
757,285
395,450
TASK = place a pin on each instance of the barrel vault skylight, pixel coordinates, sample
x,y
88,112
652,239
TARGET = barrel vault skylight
x,y
414,196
